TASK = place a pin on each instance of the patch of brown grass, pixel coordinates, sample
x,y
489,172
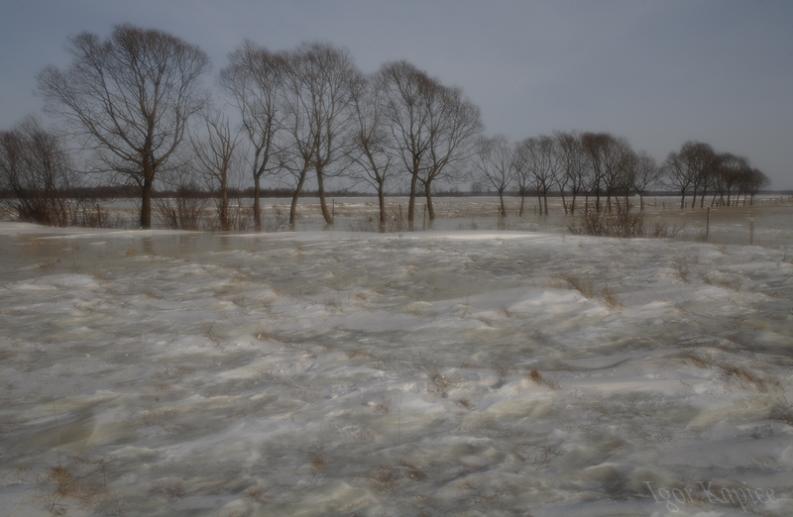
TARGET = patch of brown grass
x,y
610,298
318,462
537,378
582,285
65,484
732,372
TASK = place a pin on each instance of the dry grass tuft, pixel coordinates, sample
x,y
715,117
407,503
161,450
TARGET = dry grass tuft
x,y
439,383
65,483
733,284
610,298
318,462
465,403
681,268
733,373
537,378
582,285
384,478
782,411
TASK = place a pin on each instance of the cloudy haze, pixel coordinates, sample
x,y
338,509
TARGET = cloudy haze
x,y
658,73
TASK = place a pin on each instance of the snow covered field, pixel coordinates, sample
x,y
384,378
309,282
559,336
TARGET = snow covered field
x,y
330,373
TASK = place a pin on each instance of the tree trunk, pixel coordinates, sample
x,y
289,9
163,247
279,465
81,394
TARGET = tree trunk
x,y
503,209
545,200
682,200
522,202
145,203
381,202
257,209
412,201
223,211
295,196
321,189
428,195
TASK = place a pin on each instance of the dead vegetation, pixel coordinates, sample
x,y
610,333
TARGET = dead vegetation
x,y
725,282
585,286
385,478
680,266
610,298
733,373
319,462
622,222
538,378
581,284
782,411
87,489
439,383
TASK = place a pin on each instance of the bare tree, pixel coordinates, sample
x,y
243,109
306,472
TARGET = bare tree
x,y
595,148
684,171
754,180
405,89
132,94
521,164
453,123
536,156
35,169
647,175
320,79
372,146
700,157
573,168
255,80
495,161
214,154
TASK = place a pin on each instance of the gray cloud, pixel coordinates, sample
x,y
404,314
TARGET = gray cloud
x,y
656,72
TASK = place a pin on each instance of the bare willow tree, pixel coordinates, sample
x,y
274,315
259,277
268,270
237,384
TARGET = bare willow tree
x,y
255,79
453,123
320,79
684,170
495,162
574,170
405,89
213,151
132,95
647,175
608,160
35,169
523,177
372,146
536,157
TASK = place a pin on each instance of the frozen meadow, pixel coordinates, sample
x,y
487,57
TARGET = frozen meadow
x,y
433,373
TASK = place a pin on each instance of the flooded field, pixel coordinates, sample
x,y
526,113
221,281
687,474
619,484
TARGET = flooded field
x,y
428,373
766,222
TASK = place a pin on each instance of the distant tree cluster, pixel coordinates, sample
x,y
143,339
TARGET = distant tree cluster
x,y
308,116
697,171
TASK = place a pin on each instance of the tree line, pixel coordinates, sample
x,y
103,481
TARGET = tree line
x,y
140,105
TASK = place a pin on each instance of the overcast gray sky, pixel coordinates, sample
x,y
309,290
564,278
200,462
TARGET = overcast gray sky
x,y
657,72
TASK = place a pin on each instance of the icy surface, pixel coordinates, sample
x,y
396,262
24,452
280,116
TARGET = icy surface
x,y
467,373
